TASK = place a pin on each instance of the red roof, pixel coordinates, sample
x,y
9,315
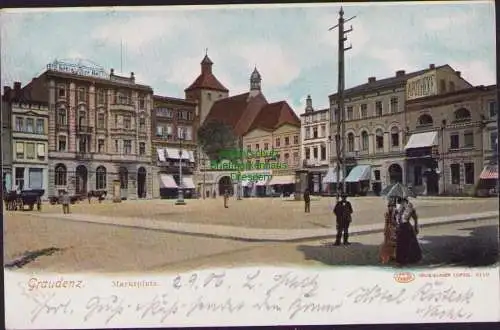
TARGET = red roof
x,y
274,115
237,111
207,80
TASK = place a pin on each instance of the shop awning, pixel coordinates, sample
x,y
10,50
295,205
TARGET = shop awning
x,y
422,140
246,183
263,182
359,173
489,172
161,154
187,182
173,153
283,179
167,181
331,176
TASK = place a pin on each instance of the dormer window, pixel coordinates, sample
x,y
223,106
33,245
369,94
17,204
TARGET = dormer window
x,y
425,120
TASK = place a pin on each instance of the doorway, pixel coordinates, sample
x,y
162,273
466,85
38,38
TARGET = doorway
x,y
141,182
81,180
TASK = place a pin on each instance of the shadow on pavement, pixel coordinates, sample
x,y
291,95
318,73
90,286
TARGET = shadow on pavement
x,y
478,249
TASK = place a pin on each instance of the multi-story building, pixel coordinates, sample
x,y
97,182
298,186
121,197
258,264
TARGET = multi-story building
x,y
99,130
315,145
378,127
174,127
447,149
6,119
275,128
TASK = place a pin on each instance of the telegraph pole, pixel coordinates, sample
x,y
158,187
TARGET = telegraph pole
x,y
340,115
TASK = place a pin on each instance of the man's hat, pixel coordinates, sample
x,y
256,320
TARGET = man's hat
x,y
343,195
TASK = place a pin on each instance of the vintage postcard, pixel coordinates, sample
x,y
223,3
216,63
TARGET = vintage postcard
x,y
250,165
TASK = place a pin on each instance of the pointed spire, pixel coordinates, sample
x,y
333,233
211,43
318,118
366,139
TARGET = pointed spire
x,y
255,79
206,63
341,12
309,107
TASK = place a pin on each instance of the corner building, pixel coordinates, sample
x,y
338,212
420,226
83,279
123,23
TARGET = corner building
x,y
99,130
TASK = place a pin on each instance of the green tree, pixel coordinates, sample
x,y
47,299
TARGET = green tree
x,y
217,140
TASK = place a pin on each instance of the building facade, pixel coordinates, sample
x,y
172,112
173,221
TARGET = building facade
x,y
99,130
174,127
378,127
447,149
315,145
6,134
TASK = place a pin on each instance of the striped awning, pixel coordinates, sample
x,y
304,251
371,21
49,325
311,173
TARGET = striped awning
x,y
331,175
489,172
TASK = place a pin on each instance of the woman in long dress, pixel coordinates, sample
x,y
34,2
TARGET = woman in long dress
x,y
407,248
388,248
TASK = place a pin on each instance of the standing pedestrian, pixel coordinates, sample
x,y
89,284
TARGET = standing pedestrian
x,y
307,201
226,197
343,212
65,200
388,247
408,249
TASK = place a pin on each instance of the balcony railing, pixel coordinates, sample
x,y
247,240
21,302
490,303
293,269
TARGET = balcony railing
x,y
122,107
62,127
81,129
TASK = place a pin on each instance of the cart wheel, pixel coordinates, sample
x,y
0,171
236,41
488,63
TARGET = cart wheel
x,y
31,207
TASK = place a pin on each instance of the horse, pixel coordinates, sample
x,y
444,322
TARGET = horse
x,y
99,194
12,201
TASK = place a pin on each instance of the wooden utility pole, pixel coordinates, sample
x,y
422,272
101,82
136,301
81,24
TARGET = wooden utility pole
x,y
340,113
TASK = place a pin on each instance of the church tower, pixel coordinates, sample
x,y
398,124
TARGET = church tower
x,y
206,89
309,104
255,83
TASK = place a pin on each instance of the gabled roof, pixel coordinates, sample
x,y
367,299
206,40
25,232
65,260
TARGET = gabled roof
x,y
274,115
386,82
238,111
206,80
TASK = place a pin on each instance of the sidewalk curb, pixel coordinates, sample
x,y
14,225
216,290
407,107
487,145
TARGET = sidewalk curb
x,y
354,232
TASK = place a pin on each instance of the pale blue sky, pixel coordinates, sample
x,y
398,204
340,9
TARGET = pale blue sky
x,y
291,46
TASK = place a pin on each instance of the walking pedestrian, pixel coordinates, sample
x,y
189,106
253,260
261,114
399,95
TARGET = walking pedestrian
x,y
226,197
408,249
343,212
307,201
388,247
65,200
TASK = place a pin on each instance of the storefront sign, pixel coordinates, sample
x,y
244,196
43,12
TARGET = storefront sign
x,y
421,86
78,69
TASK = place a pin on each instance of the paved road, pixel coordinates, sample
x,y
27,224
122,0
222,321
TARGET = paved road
x,y
73,246
270,212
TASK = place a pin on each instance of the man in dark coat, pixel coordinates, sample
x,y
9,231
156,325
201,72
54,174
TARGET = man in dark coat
x,y
307,201
343,213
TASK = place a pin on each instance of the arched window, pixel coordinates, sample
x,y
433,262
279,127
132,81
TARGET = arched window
x,y
379,138
425,120
394,137
82,117
60,175
287,156
364,140
100,178
462,114
61,116
123,178
350,142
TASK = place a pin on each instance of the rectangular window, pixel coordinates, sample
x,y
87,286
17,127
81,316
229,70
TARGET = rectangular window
x,y
494,141
379,141
266,146
315,132
315,153
61,91
308,153
30,125
61,143
81,94
127,147
40,126
350,113
40,151
468,140
295,139
19,178
100,146
395,139
323,116
159,130
417,176
455,173
142,148
100,97
394,104
20,150
189,133
142,102
19,124
364,111
376,174
127,122
101,121
469,173
442,86
323,131
378,108
35,178
454,141
287,141
142,124
116,121
323,152
492,106
30,150
277,142
257,147
308,132
117,146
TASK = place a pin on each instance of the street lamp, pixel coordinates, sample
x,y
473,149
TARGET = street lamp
x,y
443,127
180,196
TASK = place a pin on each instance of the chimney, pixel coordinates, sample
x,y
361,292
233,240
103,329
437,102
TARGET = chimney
x,y
132,76
112,71
432,66
17,86
400,73
458,73
6,90
371,79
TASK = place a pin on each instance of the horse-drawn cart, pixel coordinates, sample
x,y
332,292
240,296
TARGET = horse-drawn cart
x,y
17,201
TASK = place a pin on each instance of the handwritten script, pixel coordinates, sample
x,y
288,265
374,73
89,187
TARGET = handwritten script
x,y
286,295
